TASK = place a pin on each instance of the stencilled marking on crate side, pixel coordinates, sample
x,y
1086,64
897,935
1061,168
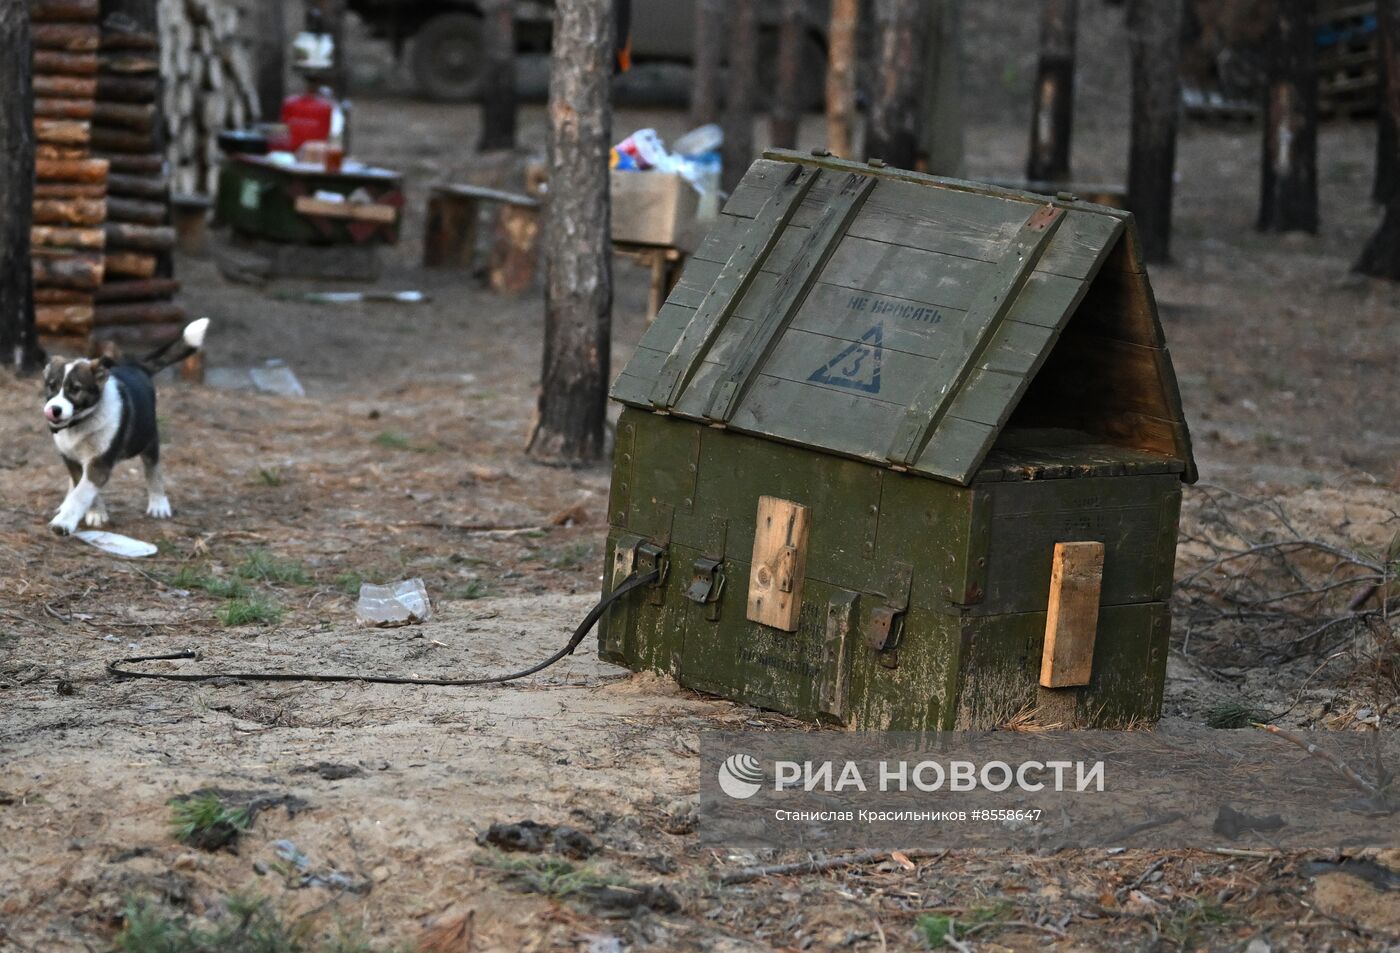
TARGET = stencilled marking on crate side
x,y
895,307
797,653
858,365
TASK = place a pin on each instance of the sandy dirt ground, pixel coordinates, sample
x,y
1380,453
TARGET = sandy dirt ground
x,y
405,459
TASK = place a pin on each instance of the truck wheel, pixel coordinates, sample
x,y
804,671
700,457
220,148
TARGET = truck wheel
x,y
446,56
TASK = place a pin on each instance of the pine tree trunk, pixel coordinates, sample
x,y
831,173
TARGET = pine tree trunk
x,y
271,53
578,252
333,14
19,345
1154,37
941,125
894,114
740,89
498,76
1288,186
787,99
1381,257
841,76
1387,131
1052,114
705,65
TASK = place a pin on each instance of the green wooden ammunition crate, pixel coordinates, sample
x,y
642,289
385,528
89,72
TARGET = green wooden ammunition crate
x,y
873,411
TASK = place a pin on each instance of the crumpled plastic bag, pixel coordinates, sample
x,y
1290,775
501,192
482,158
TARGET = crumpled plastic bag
x,y
403,603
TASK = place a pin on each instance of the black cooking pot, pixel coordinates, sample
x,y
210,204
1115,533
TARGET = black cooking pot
x,y
243,141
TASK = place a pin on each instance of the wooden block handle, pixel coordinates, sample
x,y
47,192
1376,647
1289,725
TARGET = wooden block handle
x,y
1072,617
779,563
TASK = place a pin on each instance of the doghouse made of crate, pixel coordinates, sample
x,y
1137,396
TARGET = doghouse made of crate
x,y
909,452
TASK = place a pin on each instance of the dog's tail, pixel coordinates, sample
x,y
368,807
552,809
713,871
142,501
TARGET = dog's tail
x,y
186,345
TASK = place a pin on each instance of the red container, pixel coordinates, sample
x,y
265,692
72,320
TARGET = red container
x,y
307,117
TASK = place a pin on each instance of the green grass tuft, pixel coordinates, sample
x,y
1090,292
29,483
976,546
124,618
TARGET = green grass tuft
x,y
260,564
249,610
250,924
475,589
269,476
1233,715
190,577
147,930
574,556
1183,928
206,821
547,875
935,927
392,440
349,582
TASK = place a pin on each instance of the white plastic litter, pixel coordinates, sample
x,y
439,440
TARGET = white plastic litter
x,y
116,544
276,378
403,603
706,138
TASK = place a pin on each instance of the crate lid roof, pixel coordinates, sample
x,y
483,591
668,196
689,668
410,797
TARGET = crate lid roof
x,y
908,320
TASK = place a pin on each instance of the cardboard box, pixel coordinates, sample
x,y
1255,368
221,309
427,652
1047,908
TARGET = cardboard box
x,y
653,208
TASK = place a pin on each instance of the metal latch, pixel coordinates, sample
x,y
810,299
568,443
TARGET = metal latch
x,y
887,616
651,556
886,623
707,585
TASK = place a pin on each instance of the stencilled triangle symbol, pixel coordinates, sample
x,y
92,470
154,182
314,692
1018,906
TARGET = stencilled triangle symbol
x,y
858,366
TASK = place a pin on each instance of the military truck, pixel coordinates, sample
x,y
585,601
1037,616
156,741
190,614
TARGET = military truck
x,y
442,37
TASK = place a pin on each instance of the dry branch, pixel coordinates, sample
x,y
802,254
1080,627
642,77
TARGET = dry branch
x,y
1342,769
817,865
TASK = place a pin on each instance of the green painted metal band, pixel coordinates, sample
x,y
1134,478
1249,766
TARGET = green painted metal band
x,y
789,292
729,287
993,302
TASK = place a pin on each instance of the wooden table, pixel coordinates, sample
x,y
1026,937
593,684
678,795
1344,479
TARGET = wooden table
x,y
285,202
666,263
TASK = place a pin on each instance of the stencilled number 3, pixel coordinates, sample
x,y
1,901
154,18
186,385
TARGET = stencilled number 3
x,y
850,369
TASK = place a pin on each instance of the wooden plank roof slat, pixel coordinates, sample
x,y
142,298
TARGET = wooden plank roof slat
x,y
791,289
993,301
729,286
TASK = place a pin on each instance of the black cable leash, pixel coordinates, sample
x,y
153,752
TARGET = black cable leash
x,y
631,583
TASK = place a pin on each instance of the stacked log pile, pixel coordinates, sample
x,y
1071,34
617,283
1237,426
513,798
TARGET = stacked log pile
x,y
207,64
70,191
101,236
134,304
